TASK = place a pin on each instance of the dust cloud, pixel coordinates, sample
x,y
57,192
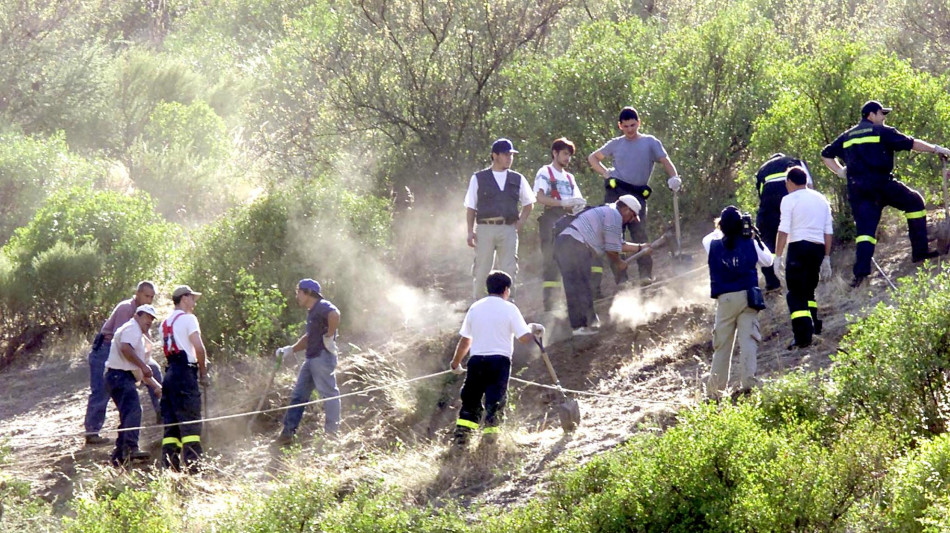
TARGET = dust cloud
x,y
634,307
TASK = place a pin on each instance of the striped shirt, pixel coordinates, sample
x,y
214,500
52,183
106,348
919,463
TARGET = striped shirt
x,y
601,228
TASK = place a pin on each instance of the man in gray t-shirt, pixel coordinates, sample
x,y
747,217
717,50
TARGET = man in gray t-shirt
x,y
634,155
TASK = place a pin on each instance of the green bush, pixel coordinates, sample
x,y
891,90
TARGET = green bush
x,y
917,488
718,470
83,252
31,168
133,504
312,230
894,361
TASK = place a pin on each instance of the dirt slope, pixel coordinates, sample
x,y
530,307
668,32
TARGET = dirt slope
x,y
648,361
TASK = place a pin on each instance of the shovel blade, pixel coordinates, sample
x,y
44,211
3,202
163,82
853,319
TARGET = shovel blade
x,y
570,414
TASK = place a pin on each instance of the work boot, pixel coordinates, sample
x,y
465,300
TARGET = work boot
x,y
929,254
646,281
583,331
857,281
817,326
284,439
96,440
139,455
461,436
795,345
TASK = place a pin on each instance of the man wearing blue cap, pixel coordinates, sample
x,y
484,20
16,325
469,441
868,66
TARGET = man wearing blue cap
x,y
867,150
492,200
318,371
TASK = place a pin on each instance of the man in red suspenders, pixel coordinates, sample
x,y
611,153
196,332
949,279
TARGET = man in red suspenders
x,y
187,371
557,191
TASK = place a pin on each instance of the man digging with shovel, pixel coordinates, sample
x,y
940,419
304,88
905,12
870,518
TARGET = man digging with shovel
x,y
488,331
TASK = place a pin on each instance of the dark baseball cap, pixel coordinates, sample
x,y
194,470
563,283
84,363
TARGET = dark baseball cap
x,y
873,106
502,146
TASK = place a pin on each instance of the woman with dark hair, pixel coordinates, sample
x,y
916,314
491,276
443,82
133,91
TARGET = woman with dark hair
x,y
733,260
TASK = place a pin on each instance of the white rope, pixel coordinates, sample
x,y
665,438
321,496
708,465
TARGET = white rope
x,y
239,415
588,393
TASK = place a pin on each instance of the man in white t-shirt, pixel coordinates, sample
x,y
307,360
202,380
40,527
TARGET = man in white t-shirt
x,y
492,200
805,225
128,356
557,191
488,331
187,371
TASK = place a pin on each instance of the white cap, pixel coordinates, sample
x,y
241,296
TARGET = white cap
x,y
146,308
630,201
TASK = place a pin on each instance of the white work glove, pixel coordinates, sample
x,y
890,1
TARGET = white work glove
x,y
578,205
457,370
674,183
941,151
536,329
573,202
779,267
283,352
330,344
825,272
843,172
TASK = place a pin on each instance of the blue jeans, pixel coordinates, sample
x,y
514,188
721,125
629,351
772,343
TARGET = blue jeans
x,y
98,396
120,385
316,373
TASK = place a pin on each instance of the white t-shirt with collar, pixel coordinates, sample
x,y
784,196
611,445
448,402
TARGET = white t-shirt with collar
x,y
806,216
493,323
129,333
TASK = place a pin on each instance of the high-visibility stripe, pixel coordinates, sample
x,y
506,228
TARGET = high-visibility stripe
x,y
551,284
775,177
191,438
801,314
171,440
916,214
865,238
813,304
862,140
491,429
597,270
466,423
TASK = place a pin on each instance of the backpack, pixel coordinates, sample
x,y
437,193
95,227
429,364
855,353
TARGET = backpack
x,y
562,223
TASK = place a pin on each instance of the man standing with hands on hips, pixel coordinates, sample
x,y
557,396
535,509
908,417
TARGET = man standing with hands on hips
x,y
492,201
634,155
488,331
318,371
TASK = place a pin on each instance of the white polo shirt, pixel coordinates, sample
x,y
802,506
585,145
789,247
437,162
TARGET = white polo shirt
x,y
493,323
806,216
129,333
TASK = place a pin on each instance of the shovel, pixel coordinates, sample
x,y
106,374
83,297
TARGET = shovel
x,y
270,383
943,228
679,258
653,246
568,410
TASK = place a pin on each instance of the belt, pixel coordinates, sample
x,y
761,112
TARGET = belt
x,y
493,221
179,359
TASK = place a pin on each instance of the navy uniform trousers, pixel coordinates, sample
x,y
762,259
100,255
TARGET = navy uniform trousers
x,y
868,200
181,405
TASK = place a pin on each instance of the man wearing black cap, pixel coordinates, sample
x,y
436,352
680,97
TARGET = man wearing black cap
x,y
186,373
770,184
492,200
319,369
867,150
